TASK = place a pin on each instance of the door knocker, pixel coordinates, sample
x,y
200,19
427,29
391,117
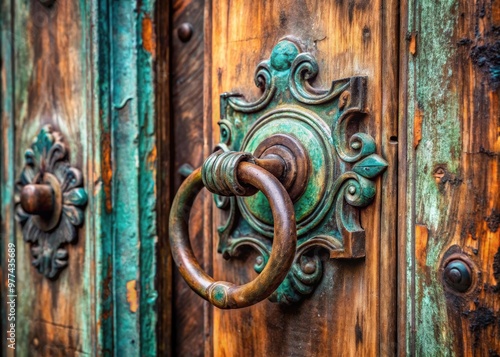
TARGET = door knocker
x,y
292,169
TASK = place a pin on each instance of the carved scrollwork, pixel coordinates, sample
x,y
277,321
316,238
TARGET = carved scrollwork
x,y
304,70
263,80
358,145
46,163
329,124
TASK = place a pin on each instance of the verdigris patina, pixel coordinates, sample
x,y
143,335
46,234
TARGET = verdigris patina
x,y
341,159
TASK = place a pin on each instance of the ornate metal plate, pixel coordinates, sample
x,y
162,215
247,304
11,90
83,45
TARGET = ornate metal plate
x,y
341,159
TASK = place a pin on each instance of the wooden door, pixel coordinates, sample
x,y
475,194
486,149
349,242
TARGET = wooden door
x,y
130,94
432,100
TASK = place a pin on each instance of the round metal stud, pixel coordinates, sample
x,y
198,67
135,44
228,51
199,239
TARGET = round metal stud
x,y
457,275
185,32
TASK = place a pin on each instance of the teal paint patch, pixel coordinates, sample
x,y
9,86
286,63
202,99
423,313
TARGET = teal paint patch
x,y
147,183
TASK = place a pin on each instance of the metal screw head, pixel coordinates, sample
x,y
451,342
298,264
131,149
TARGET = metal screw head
x,y
185,32
356,145
457,275
259,260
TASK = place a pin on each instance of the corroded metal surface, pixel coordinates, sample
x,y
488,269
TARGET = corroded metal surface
x,y
335,164
228,174
50,201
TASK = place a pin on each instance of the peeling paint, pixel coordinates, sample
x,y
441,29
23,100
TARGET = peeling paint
x,y
148,36
412,47
487,58
417,131
107,170
448,103
132,295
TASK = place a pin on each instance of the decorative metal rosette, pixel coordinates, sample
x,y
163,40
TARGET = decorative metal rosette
x,y
47,163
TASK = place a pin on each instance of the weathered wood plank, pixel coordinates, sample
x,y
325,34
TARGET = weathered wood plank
x,y
187,103
51,86
133,233
453,154
7,148
87,69
344,315
389,188
164,178
405,206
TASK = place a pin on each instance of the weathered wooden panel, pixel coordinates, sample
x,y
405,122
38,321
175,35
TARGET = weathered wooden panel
x,y
50,87
87,69
453,119
164,178
355,300
187,69
7,145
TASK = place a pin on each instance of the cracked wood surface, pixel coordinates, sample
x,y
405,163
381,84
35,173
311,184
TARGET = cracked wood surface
x,y
451,117
86,67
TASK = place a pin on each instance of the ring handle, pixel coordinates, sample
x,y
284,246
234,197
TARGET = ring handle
x,y
233,173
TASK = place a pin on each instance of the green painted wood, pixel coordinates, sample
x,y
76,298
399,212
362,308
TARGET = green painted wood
x,y
452,128
134,172
110,290
126,123
6,152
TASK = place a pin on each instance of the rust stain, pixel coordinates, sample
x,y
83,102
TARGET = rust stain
x,y
439,174
417,132
493,221
148,36
152,158
132,295
413,44
107,170
421,238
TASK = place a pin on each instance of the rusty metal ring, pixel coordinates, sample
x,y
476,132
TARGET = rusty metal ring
x,y
222,294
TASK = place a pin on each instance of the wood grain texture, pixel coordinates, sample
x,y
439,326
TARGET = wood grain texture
x,y
7,147
390,146
86,68
164,178
187,69
453,121
405,206
51,88
345,315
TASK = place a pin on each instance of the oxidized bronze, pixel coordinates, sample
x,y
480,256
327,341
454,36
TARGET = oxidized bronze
x,y
226,174
50,201
313,141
